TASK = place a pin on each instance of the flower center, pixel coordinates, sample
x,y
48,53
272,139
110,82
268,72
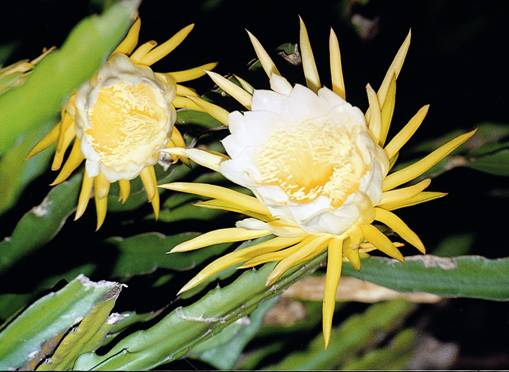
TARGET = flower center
x,y
123,118
311,160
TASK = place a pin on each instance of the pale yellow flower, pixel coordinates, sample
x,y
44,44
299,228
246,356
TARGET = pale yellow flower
x,y
319,169
120,121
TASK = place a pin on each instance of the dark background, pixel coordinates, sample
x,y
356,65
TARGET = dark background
x,y
457,63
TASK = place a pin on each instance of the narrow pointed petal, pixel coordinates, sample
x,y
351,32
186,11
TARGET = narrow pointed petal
x,y
352,254
148,182
142,51
245,85
192,73
167,47
125,190
101,186
334,264
73,161
336,70
419,167
308,60
422,197
277,256
243,97
45,142
237,257
186,103
375,118
131,40
86,191
217,112
155,199
394,69
204,158
228,206
399,227
381,242
185,91
218,192
406,132
177,138
388,110
268,65
403,193
313,248
101,207
66,135
232,234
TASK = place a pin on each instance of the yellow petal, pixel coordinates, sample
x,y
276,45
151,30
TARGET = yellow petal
x,y
185,91
86,191
394,69
406,133
45,142
66,135
243,97
218,192
217,112
125,189
101,207
167,47
399,227
279,255
73,161
142,51
148,182
308,60
131,40
388,110
381,242
268,65
334,263
313,248
186,103
375,118
192,73
204,158
336,70
422,197
416,169
232,234
403,193
352,254
228,206
101,186
245,85
155,200
237,257
177,138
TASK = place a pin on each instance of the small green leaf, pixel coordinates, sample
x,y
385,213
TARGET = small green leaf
x,y
464,276
84,51
31,336
197,118
496,162
40,224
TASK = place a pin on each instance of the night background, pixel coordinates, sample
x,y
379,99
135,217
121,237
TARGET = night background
x,y
456,63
